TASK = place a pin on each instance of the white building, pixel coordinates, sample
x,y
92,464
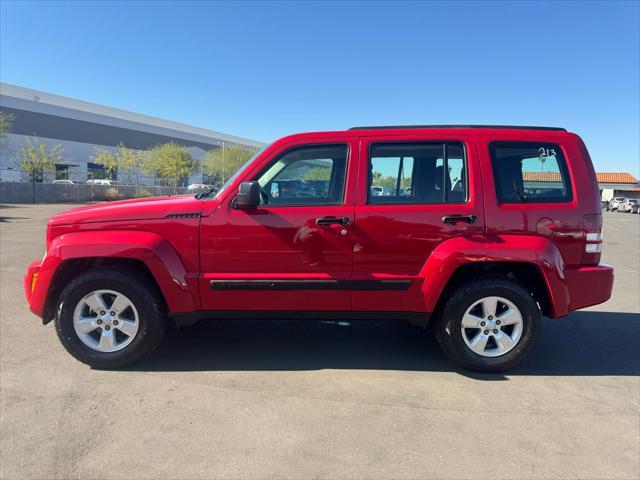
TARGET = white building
x,y
81,127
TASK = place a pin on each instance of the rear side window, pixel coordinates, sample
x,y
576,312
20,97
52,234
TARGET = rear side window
x,y
527,172
425,172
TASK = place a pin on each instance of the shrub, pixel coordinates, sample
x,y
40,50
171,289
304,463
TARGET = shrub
x,y
111,194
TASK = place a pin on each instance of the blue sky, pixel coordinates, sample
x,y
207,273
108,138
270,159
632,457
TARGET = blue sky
x,y
263,70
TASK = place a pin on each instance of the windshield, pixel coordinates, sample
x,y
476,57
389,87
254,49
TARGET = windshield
x,y
233,177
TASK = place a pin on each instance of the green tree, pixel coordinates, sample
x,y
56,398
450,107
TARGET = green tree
x,y
391,182
35,159
129,162
318,173
384,181
223,162
123,161
6,119
108,161
169,160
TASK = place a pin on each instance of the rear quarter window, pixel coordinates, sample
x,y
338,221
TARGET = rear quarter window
x,y
530,172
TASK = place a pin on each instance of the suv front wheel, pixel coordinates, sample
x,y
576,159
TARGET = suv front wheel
x,y
489,325
110,318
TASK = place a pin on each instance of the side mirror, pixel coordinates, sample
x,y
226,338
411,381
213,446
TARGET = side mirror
x,y
248,195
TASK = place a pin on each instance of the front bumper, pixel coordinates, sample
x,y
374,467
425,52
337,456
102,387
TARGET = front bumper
x,y
589,286
32,281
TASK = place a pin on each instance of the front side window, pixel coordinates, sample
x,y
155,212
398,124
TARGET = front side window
x,y
527,172
311,175
429,172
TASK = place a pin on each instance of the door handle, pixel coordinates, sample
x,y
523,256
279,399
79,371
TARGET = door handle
x,y
460,219
344,221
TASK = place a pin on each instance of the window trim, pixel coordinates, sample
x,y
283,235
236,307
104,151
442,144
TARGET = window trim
x,y
445,159
272,162
563,166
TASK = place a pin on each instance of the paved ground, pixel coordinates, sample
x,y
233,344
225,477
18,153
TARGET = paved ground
x,y
306,400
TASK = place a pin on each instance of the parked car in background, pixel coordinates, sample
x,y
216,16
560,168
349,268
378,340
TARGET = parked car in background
x,y
63,182
378,191
483,261
100,181
614,203
635,208
198,187
627,205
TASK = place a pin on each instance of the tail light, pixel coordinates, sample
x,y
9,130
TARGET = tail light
x,y
592,232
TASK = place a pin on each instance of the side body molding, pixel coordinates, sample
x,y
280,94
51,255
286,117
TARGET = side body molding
x,y
456,252
153,250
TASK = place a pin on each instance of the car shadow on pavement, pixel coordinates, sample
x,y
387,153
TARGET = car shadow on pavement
x,y
585,344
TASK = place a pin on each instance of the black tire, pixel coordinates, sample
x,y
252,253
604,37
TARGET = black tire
x,y
146,299
449,324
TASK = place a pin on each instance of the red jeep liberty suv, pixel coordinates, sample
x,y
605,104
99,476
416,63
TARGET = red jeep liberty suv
x,y
479,229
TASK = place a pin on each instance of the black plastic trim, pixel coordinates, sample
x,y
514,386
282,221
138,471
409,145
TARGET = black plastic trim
x,y
190,318
268,284
183,215
503,127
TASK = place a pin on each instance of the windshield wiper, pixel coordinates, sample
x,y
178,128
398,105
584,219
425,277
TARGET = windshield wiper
x,y
201,195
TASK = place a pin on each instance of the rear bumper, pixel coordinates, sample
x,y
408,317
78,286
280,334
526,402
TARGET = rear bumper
x,y
589,285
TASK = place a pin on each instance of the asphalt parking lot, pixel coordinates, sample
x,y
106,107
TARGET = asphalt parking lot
x,y
313,400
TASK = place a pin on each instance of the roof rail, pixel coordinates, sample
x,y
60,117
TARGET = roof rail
x,y
510,127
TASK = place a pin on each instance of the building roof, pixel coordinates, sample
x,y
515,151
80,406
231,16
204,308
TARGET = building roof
x,y
541,176
602,177
26,99
615,177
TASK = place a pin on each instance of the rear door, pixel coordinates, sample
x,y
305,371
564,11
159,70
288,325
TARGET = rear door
x,y
414,192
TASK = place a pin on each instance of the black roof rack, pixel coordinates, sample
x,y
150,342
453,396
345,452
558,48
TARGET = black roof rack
x,y
510,127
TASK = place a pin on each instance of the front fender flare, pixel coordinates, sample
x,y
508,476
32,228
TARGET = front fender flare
x,y
150,248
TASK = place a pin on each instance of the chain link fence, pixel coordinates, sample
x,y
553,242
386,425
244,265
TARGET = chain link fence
x,y
18,186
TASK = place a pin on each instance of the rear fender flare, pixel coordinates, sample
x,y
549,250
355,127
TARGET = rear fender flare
x,y
453,253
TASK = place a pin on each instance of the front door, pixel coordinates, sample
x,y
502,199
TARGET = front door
x,y
416,193
295,250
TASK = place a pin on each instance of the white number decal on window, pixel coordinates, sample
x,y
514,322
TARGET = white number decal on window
x,y
546,152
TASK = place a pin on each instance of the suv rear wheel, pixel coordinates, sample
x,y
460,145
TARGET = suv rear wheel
x,y
489,325
109,319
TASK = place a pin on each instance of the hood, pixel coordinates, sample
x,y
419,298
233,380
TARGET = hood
x,y
125,210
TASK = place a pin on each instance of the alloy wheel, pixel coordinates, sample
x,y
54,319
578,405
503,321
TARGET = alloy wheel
x,y
106,320
492,326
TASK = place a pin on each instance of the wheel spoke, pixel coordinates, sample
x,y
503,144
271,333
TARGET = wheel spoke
x,y
489,306
470,321
120,304
107,340
509,317
503,340
85,325
127,327
95,302
479,343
